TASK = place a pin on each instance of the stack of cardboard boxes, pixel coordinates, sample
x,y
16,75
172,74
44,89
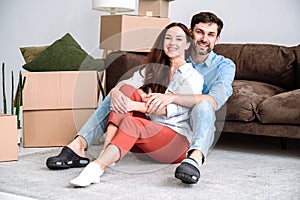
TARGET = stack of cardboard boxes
x,y
55,106
135,33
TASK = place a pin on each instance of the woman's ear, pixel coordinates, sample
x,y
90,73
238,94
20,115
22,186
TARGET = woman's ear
x,y
187,46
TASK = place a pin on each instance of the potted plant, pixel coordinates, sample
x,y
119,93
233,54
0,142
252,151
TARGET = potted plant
x,y
16,98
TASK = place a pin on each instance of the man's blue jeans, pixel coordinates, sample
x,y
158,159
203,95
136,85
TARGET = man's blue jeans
x,y
95,127
202,121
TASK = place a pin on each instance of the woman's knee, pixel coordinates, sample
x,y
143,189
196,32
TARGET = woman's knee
x,y
130,92
127,90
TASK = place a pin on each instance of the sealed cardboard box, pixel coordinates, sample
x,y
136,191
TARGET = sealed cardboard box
x,y
130,33
155,8
44,128
56,105
9,138
60,90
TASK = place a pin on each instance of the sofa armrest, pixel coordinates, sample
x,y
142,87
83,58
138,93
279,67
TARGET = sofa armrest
x,y
282,108
297,75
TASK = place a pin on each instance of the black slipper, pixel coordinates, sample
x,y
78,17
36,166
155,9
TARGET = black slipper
x,y
66,159
188,171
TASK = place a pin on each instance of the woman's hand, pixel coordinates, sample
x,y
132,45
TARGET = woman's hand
x,y
118,101
122,104
156,103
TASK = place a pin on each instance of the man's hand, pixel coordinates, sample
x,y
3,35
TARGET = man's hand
x,y
156,103
119,101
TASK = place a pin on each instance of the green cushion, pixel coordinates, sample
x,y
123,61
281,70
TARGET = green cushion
x,y
64,54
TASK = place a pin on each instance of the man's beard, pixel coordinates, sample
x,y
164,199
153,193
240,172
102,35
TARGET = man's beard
x,y
200,51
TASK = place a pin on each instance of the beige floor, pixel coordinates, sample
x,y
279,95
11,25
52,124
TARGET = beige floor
x,y
22,151
7,196
230,142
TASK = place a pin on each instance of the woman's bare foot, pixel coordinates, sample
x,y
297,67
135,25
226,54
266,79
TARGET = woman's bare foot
x,y
78,145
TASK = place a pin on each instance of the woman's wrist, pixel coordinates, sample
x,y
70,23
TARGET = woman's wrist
x,y
137,106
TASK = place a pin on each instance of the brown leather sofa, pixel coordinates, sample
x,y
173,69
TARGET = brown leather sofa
x,y
266,89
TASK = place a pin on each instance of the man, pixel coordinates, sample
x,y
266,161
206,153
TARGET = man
x,y
218,74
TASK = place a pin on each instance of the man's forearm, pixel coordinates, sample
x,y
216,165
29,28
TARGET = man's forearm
x,y
190,100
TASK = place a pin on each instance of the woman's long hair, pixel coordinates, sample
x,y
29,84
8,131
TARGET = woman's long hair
x,y
157,74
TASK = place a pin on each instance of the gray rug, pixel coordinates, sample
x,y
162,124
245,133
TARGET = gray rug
x,y
233,170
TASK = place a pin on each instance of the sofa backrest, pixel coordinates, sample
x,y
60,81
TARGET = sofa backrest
x,y
121,65
267,63
273,64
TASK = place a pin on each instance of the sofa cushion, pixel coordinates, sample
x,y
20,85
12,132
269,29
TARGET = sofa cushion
x,y
283,108
266,63
246,97
29,53
65,54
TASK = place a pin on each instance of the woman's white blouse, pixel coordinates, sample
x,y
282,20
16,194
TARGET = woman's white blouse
x,y
186,80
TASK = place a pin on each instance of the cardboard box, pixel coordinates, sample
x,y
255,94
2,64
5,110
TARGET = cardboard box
x,y
155,8
56,105
9,138
44,128
130,33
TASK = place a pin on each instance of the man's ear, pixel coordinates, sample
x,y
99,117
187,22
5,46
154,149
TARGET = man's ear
x,y
191,33
218,39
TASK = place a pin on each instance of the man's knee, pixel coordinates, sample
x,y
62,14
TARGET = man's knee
x,y
202,107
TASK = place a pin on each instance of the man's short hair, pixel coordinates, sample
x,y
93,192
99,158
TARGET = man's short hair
x,y
207,17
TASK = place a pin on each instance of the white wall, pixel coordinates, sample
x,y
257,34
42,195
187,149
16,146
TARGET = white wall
x,y
251,21
41,22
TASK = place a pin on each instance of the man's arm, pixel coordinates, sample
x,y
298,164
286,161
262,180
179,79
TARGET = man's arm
x,y
190,100
221,90
157,104
218,94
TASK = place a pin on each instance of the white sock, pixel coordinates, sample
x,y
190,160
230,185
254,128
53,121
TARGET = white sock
x,y
89,175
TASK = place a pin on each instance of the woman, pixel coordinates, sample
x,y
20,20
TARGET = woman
x,y
165,137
